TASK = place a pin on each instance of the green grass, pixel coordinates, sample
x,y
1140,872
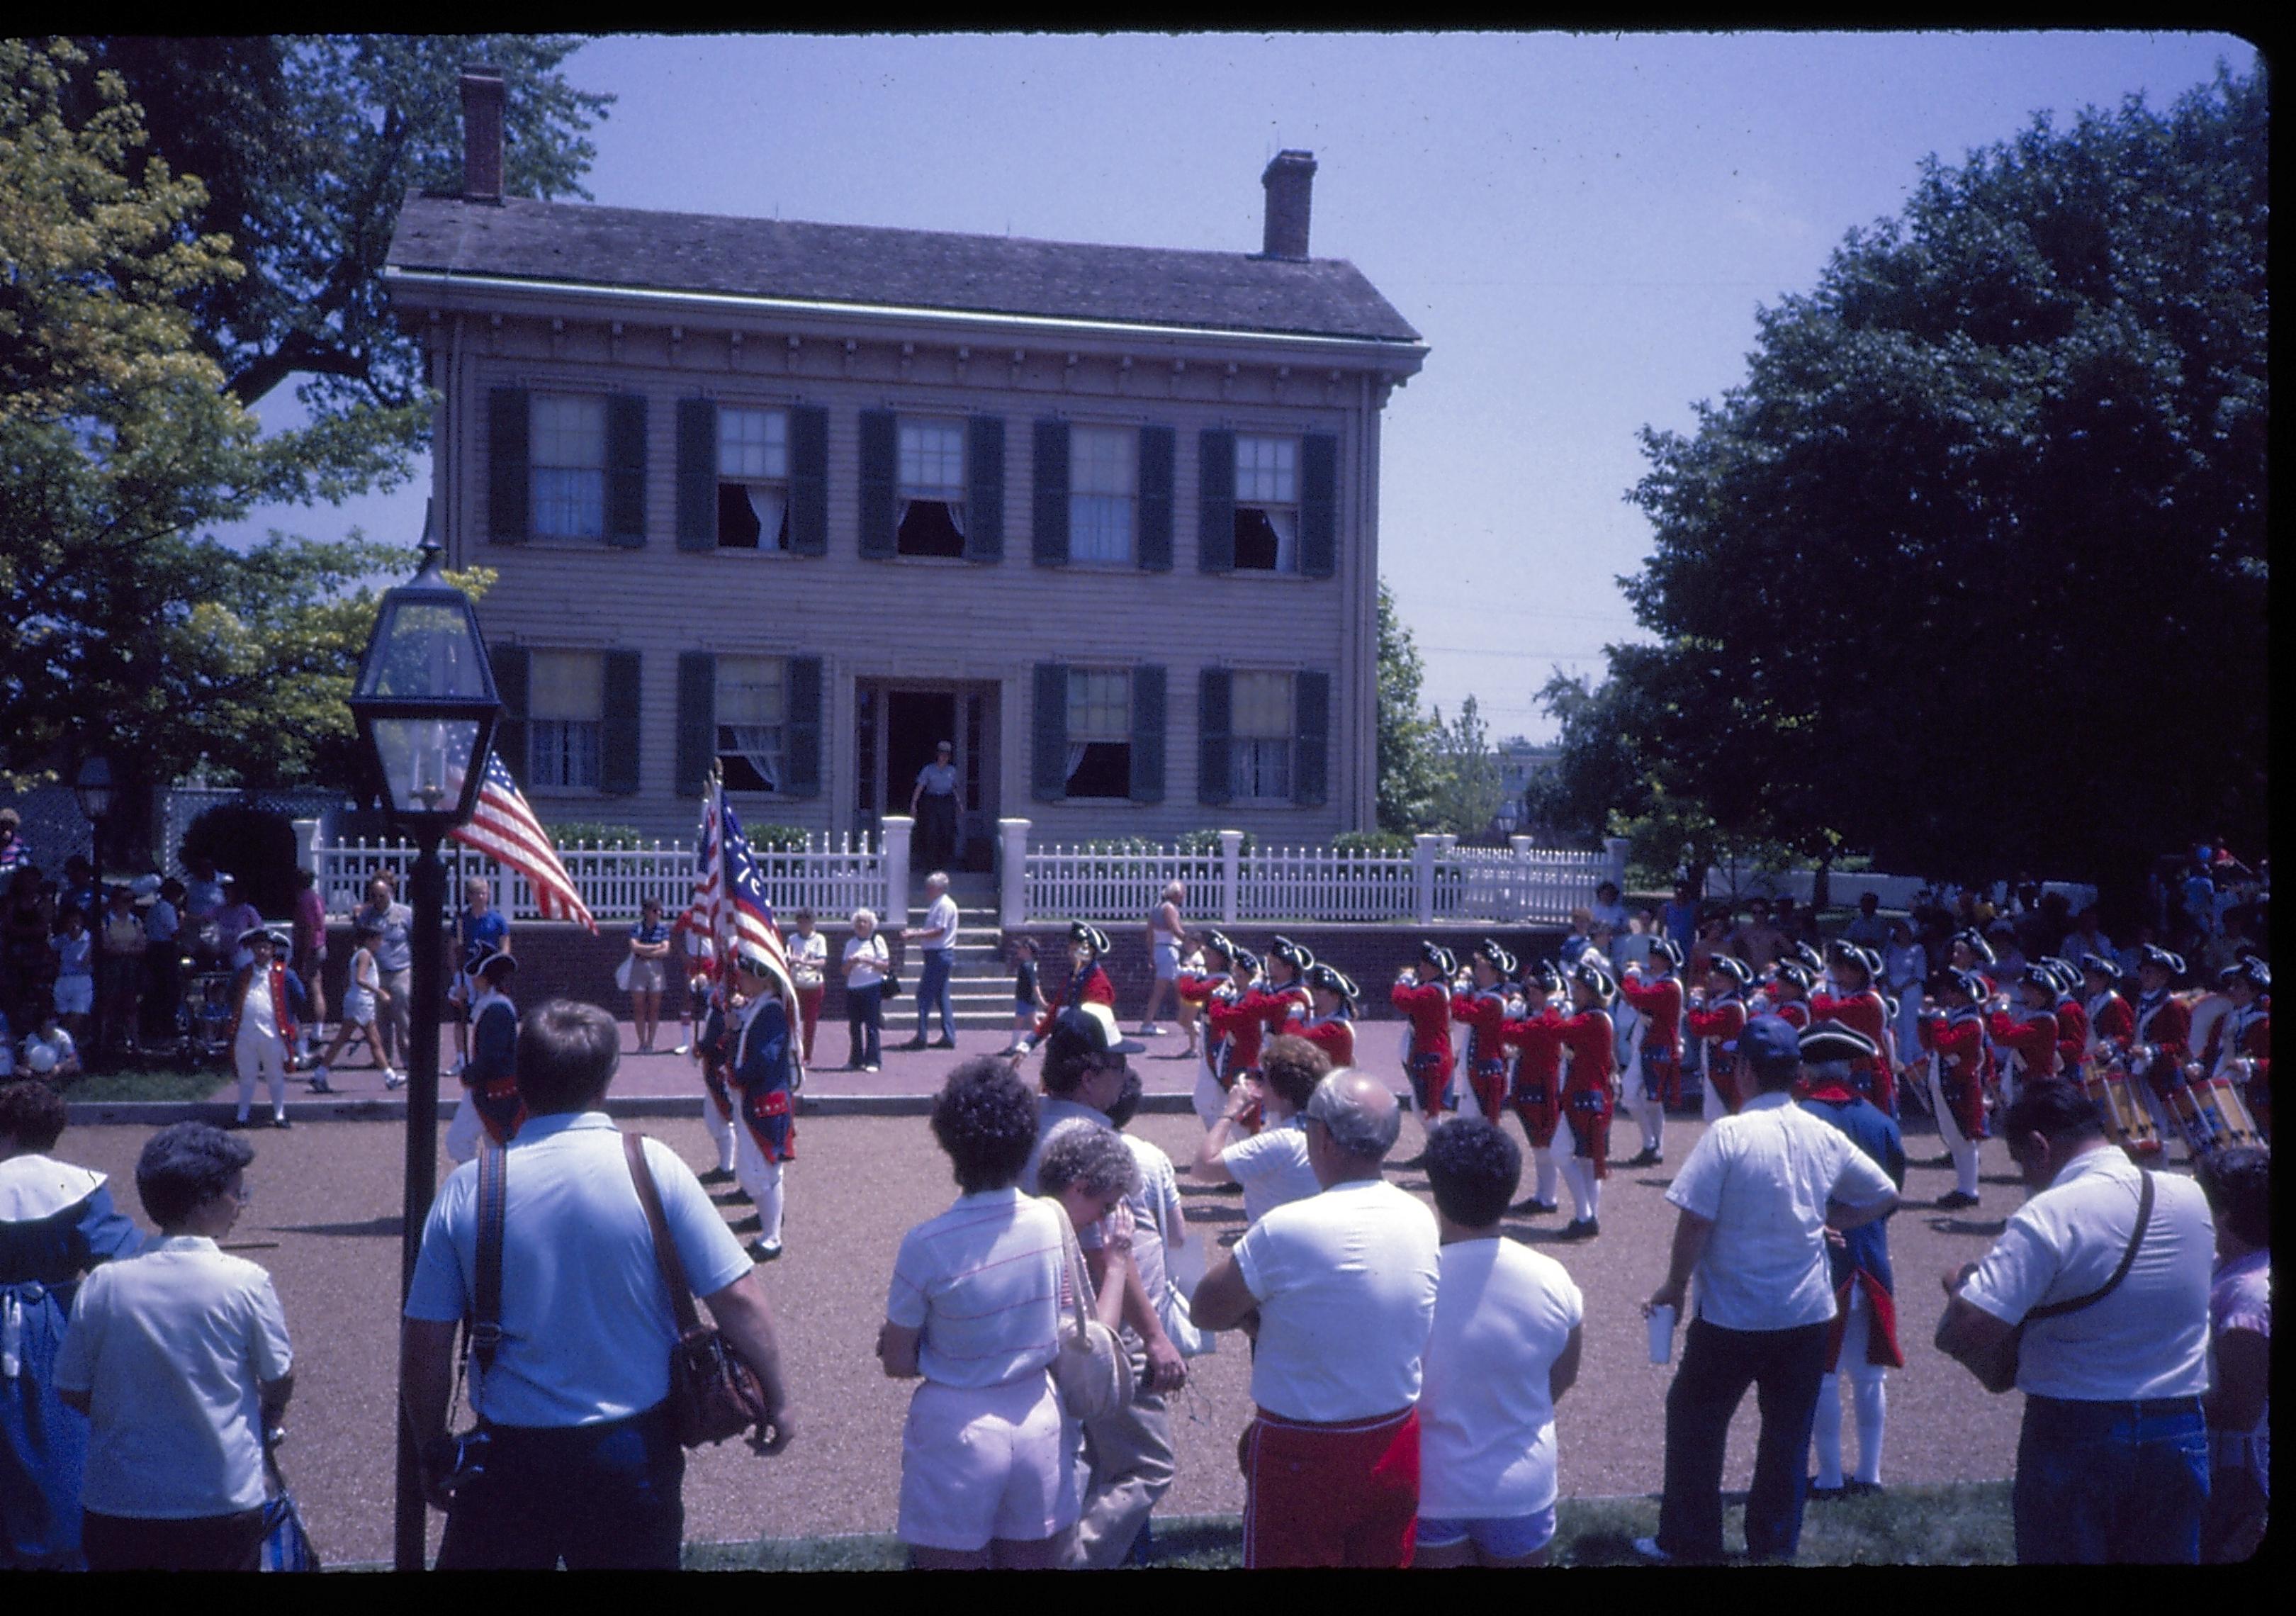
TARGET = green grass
x,y
1954,1524
162,1084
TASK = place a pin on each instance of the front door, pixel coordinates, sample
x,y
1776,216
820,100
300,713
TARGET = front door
x,y
898,727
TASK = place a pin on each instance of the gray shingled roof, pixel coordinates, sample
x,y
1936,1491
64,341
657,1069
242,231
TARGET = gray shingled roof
x,y
910,268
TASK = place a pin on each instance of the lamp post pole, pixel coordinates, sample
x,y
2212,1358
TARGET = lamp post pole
x,y
428,888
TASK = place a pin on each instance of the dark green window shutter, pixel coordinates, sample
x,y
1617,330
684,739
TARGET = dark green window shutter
x,y
509,665
1152,538
697,719
984,488
1048,540
1048,777
1212,692
617,739
625,454
1148,734
880,458
1311,764
507,493
801,747
808,485
697,473
1216,502
1319,504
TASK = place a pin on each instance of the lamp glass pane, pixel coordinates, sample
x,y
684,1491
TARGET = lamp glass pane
x,y
430,649
425,762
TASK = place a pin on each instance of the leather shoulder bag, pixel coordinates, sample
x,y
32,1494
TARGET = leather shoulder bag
x,y
713,1394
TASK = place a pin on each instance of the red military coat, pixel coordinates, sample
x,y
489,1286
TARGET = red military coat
x,y
1334,1035
1864,1012
1956,1046
2033,1041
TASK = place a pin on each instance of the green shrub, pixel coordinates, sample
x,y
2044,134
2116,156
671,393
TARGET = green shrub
x,y
1373,841
1201,843
1121,844
589,834
777,838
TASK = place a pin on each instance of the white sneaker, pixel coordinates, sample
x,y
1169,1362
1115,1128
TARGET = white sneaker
x,y
1648,1551
1151,1031
393,1079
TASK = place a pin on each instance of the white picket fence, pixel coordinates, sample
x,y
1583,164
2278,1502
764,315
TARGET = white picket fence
x,y
1433,882
832,876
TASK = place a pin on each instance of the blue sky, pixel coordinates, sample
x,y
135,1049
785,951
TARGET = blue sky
x,y
1581,227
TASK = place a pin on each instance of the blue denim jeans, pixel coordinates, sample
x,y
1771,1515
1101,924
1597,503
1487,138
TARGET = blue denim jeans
x,y
605,1496
933,989
1784,1367
2111,1483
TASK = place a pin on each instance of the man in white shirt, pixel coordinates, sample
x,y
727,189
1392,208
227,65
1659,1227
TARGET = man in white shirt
x,y
582,1461
2113,1462
1272,1165
1504,1347
1756,1198
1343,1287
936,938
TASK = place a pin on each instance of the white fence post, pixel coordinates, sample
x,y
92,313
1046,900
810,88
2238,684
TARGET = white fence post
x,y
1424,848
898,830
1013,864
1616,847
307,845
1231,874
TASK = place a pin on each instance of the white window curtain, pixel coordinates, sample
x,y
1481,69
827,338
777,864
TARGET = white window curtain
x,y
1286,524
1076,759
766,504
750,714
955,512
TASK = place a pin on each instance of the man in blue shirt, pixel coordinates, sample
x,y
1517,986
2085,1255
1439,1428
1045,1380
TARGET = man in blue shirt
x,y
582,1461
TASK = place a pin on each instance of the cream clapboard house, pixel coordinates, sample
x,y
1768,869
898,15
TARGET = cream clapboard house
x,y
805,499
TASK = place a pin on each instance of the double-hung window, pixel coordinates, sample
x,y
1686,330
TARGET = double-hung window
x,y
1100,733
752,478
751,715
931,489
1103,488
566,706
1266,504
1260,737
568,466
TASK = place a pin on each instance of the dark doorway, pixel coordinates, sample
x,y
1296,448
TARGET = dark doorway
x,y
916,722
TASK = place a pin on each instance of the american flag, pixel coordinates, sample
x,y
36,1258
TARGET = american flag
x,y
505,830
700,921
729,903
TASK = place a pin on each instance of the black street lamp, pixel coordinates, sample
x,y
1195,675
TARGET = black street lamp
x,y
99,794
426,709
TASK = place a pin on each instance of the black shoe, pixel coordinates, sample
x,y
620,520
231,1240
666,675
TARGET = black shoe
x,y
1534,1207
738,1198
1943,1161
1862,1489
718,1175
914,1044
746,1226
1579,1228
1953,1201
1647,1158
762,1251
282,1121
1825,1494
238,1123
944,1042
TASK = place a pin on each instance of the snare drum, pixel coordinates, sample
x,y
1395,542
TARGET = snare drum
x,y
2229,1114
2127,1122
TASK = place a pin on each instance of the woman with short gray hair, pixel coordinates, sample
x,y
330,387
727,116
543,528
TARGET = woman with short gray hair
x,y
1088,1170
866,962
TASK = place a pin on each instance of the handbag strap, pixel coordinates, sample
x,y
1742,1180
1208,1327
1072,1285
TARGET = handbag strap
x,y
665,1249
2128,1260
1072,1255
487,1281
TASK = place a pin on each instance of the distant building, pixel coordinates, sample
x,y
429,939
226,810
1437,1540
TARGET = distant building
x,y
802,500
1520,764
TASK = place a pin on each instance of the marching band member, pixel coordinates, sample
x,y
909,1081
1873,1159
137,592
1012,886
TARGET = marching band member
x,y
1330,1023
1857,1005
1286,993
1954,1034
1716,1024
766,1072
1199,990
1967,950
1863,1341
2072,1020
1481,1008
1422,995
1586,1038
1535,1034
714,1050
2164,1024
265,997
490,1095
2247,1034
2025,1035
1653,1078
1087,983
1237,1021
1788,993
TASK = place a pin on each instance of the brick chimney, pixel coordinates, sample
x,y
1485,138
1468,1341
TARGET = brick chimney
x,y
1289,178
482,134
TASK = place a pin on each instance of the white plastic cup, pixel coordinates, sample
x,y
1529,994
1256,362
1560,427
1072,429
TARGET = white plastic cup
x,y
1662,1334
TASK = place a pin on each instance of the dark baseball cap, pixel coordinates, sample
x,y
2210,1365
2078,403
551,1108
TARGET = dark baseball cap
x,y
1769,1040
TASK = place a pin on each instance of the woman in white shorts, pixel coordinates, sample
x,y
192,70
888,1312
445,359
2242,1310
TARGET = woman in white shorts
x,y
974,1310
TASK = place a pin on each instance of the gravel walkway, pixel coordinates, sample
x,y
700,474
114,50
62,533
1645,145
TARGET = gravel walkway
x,y
325,1220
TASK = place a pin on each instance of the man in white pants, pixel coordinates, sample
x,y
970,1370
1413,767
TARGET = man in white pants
x,y
265,995
765,1078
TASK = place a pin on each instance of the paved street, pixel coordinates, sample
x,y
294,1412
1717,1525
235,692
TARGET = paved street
x,y
325,1220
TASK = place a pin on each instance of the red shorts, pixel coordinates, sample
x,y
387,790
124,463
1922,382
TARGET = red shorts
x,y
1330,1495
1589,1113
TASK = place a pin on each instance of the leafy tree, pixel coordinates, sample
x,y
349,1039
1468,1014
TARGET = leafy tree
x,y
1969,573
307,144
128,632
1407,738
1467,788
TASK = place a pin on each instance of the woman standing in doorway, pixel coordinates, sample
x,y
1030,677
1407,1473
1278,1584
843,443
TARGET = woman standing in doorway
x,y
933,805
